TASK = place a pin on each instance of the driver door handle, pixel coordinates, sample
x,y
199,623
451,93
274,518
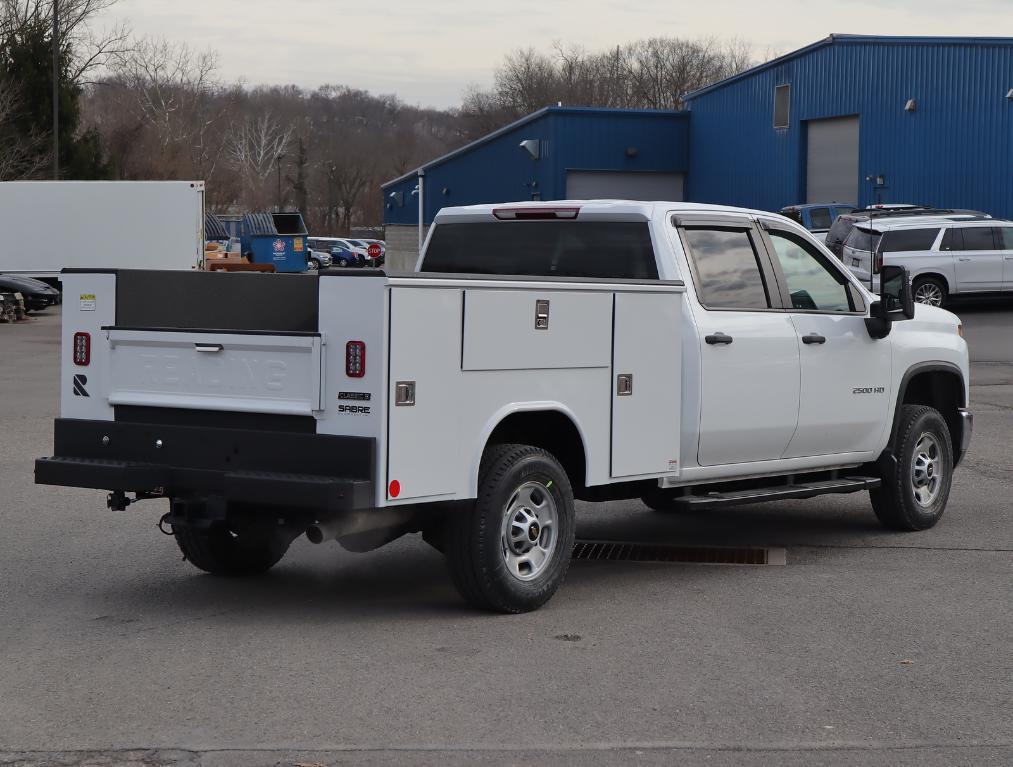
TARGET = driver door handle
x,y
718,338
814,338
963,258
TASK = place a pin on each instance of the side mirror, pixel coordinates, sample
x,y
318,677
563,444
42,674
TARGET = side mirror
x,y
896,301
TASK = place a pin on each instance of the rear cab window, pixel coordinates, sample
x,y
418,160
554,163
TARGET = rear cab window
x,y
589,249
819,218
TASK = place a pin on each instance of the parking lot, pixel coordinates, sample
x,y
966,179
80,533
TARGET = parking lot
x,y
868,647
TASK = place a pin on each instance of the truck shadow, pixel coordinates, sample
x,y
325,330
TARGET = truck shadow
x,y
409,580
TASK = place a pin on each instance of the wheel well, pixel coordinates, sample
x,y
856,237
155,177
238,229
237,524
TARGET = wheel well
x,y
942,390
935,276
550,430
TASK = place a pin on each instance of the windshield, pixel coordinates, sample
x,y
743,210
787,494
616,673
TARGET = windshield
x,y
863,239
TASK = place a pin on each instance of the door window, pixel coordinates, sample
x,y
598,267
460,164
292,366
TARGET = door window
x,y
1004,237
819,218
952,240
813,284
978,238
906,240
727,269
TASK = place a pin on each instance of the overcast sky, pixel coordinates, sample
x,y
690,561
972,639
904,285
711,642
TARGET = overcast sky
x,y
428,51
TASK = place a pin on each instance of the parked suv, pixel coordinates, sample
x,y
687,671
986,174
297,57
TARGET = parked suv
x,y
946,255
843,224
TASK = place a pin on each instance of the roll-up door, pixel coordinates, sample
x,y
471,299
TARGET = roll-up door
x,y
832,160
615,185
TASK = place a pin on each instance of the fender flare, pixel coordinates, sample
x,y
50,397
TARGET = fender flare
x,y
933,366
513,408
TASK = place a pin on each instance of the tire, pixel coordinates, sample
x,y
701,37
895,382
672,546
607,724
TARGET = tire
x,y
343,262
217,550
930,291
493,562
915,490
313,265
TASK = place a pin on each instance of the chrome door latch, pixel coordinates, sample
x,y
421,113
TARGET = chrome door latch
x,y
624,385
542,314
404,394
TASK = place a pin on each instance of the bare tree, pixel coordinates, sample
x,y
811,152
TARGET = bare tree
x,y
255,149
89,49
21,157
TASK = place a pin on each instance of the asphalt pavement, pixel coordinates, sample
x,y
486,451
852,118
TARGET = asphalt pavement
x,y
867,648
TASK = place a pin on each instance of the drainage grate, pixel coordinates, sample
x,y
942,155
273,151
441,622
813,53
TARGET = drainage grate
x,y
625,551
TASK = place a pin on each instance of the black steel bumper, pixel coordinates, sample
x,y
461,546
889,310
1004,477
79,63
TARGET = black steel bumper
x,y
243,465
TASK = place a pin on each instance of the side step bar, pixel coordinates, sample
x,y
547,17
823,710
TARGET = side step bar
x,y
780,492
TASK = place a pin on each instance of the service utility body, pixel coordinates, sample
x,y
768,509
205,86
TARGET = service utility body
x,y
686,355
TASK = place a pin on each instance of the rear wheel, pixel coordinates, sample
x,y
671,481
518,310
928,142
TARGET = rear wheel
x,y
914,492
511,551
929,290
222,551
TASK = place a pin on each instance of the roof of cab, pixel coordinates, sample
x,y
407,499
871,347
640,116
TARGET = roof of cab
x,y
596,208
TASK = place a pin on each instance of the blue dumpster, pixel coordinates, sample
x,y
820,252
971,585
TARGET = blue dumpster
x,y
275,238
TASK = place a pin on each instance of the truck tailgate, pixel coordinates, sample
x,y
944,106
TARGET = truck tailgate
x,y
240,372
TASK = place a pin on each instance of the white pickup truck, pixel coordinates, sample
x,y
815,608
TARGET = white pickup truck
x,y
686,355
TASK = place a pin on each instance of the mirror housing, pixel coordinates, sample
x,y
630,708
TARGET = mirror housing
x,y
896,301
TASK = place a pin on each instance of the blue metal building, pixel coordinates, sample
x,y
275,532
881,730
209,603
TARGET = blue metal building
x,y
861,119
851,119
552,154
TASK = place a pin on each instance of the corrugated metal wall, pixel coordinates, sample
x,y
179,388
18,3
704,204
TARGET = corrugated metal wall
x,y
498,170
954,150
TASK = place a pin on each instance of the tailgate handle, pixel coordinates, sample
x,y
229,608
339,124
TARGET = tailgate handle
x,y
209,348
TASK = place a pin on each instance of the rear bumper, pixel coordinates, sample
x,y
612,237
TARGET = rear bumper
x,y
240,465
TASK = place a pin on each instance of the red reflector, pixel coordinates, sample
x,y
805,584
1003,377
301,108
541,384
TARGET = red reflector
x,y
355,359
534,214
82,348
395,488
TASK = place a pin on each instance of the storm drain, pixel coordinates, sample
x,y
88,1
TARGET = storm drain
x,y
626,551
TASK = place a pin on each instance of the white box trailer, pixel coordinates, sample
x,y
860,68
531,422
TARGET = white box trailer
x,y
53,225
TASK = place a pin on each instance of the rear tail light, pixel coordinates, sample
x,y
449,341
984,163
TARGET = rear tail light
x,y
877,263
82,348
355,359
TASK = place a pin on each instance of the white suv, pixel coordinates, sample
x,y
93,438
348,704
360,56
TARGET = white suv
x,y
946,255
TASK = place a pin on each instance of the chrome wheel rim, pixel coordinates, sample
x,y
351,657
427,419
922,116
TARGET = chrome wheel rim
x,y
926,470
529,535
313,265
929,293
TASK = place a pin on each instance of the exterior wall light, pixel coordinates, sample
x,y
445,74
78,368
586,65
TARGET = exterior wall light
x,y
1009,94
533,147
911,105
632,151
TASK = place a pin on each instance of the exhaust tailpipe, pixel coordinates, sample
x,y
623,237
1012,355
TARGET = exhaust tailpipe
x,y
356,522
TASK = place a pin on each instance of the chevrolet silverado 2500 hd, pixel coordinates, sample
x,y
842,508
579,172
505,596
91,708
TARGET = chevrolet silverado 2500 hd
x,y
688,355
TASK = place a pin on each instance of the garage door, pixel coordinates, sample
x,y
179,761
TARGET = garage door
x,y
611,185
832,161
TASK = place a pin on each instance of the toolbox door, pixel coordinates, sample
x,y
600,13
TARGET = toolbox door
x,y
646,384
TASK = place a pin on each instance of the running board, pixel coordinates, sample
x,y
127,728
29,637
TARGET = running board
x,y
780,492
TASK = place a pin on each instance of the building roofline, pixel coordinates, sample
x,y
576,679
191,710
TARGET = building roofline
x,y
849,40
543,112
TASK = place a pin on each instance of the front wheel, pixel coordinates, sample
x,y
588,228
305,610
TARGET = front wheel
x,y
510,552
915,490
929,290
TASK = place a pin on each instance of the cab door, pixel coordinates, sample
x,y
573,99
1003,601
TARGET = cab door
x,y
1004,239
749,350
977,259
845,373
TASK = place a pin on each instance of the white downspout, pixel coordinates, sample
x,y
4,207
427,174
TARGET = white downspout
x,y
422,208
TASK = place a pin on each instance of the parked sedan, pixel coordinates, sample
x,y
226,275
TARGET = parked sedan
x,y
37,294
